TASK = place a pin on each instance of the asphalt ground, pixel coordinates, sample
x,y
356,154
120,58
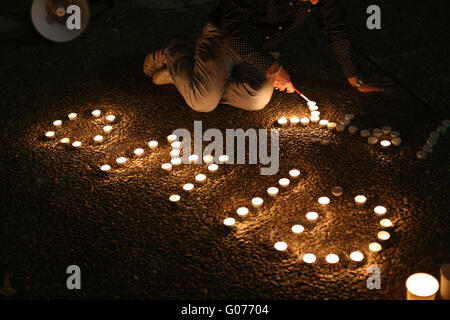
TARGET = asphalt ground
x,y
59,209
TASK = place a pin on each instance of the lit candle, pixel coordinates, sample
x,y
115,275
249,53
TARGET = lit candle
x,y
313,108
324,201
65,140
360,199
76,144
386,223
312,216
421,155
208,159
213,167
229,222
188,187
323,123
445,281
311,103
200,177
352,129
421,286
110,118
72,116
314,119
107,129
304,121
175,161
166,166
337,191
175,153
105,167
96,113
242,211
121,160
386,130
272,191
375,247
176,145
171,138
294,120
372,140
282,121
364,133
284,182
332,258
309,258
57,123
280,246
427,148
294,173
174,198
193,158
380,210
50,134
395,134
383,235
138,151
385,143
396,141
153,144
349,117
331,126
357,256
224,158
315,113
257,202
298,228
98,138
377,132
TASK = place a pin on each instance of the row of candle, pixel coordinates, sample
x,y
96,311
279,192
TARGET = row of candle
x,y
433,139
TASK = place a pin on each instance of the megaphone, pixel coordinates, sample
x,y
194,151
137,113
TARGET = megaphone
x,y
60,20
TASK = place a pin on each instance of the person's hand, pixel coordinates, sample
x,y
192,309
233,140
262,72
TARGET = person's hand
x,y
281,80
363,87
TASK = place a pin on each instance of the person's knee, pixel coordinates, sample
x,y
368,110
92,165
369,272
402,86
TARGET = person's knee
x,y
262,98
202,105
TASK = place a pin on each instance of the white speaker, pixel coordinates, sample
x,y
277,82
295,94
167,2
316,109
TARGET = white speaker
x,y
60,20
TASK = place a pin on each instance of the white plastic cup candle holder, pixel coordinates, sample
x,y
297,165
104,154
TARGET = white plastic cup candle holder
x,y
385,143
229,222
309,258
331,126
57,123
200,177
224,158
110,118
208,159
76,144
383,235
337,191
272,191
105,167
323,123
372,140
294,120
315,113
213,167
298,228
242,211
174,198
176,145
280,246
421,286
257,202
175,161
121,160
98,138
138,151
314,119
332,258
312,216
284,182
96,113
171,138
445,281
294,173
72,116
375,247
50,134
360,199
385,223
324,201
304,121
175,153
107,129
166,166
380,211
311,103
193,158
282,121
313,108
357,256
64,140
153,144
188,187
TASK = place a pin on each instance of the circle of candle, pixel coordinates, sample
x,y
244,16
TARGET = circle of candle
x,y
50,134
383,235
175,161
435,134
176,145
377,132
442,129
323,123
314,119
213,167
360,199
200,177
386,129
110,118
76,144
64,140
282,121
298,228
294,173
312,216
188,187
96,113
372,140
427,148
242,211
208,158
166,166
281,246
98,138
315,113
352,129
357,256
331,126
284,182
421,155
395,134
153,144
174,198
380,210
337,191
421,286
138,151
349,116
332,258
171,138
105,167
107,129
272,191
396,141
432,141
224,158
385,143
294,120
386,223
257,201
364,133
309,258
340,127
375,247
324,201
445,281
57,123
229,222
304,121
121,160
175,153
72,116
193,158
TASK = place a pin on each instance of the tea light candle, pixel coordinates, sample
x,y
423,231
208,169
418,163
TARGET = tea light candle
x,y
323,123
282,121
331,126
105,167
314,138
294,173
375,247
57,123
445,281
294,120
312,216
229,222
337,191
138,151
385,143
76,144
98,138
208,158
304,121
224,158
432,141
188,187
176,145
396,141
435,134
110,118
284,182
315,113
380,210
96,113
166,166
174,198
50,134
395,134
121,160
272,191
345,122
309,258
365,133
427,148
340,127
65,140
352,129
332,258
324,201
193,158
175,153
325,141
107,129
446,123
377,132
372,140
360,199
280,246
349,117
314,119
421,286
386,223
383,235
72,116
442,129
311,103
242,211
153,144
257,202
213,167
386,130
421,155
200,177
357,256
171,138
298,228
175,161
313,108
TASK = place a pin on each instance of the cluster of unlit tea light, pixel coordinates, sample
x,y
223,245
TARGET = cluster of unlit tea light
x,y
433,139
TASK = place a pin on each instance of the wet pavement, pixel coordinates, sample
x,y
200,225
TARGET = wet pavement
x,y
58,208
